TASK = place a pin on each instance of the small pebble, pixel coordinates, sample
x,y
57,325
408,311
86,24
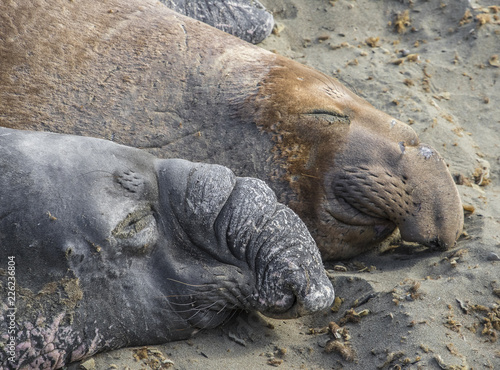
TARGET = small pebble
x,y
405,52
493,257
88,364
278,28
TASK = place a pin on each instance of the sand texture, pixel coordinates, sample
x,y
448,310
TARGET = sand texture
x,y
435,65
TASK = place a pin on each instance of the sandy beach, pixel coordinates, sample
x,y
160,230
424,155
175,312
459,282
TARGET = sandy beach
x,y
436,66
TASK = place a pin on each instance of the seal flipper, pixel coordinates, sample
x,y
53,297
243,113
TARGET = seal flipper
x,y
246,19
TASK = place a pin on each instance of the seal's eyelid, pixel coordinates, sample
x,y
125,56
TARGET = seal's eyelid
x,y
133,223
330,116
137,230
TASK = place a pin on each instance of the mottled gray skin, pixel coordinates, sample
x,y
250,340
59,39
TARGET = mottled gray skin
x,y
114,247
135,72
246,19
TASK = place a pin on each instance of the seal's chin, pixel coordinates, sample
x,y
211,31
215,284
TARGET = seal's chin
x,y
293,307
291,311
343,230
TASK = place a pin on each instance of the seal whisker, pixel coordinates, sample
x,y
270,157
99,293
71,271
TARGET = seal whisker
x,y
196,312
180,296
217,315
187,284
223,312
230,316
191,290
243,300
206,311
196,308
222,309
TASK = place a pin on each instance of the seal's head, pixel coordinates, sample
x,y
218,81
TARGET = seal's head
x,y
133,250
357,173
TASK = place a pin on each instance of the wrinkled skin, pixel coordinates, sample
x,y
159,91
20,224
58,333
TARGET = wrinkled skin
x,y
144,76
114,247
246,19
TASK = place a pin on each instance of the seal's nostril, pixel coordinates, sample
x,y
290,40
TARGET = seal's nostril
x,y
434,243
297,292
437,243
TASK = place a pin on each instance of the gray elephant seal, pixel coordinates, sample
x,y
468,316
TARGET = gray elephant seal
x,y
139,74
247,19
113,247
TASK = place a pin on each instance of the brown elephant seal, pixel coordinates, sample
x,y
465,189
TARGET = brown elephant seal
x,y
104,246
140,74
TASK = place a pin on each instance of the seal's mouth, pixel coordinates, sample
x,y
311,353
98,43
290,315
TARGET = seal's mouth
x,y
282,308
291,291
346,214
293,307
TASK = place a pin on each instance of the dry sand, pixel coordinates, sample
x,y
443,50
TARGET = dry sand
x,y
433,65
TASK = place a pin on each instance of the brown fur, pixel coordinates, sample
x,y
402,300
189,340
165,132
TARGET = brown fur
x,y
139,74
322,132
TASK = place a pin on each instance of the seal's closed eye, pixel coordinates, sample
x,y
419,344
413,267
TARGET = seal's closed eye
x,y
329,116
137,230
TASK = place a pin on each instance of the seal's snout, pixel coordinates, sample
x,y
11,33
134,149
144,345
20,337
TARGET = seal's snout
x,y
385,183
295,290
439,222
436,218
311,296
287,278
290,280
441,243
